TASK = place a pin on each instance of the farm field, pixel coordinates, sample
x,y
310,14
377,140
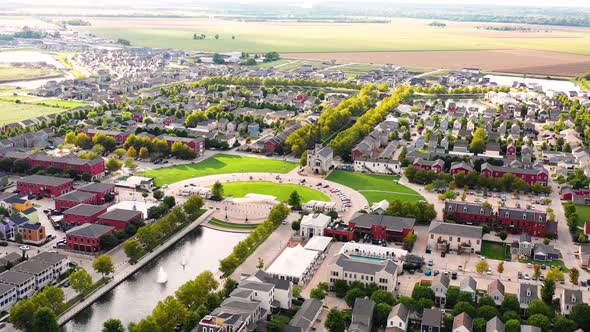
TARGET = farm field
x,y
8,72
279,190
375,188
219,164
13,112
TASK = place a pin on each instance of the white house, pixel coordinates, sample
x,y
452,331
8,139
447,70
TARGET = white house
x,y
320,159
24,282
377,165
496,291
398,317
462,323
314,224
380,207
440,286
58,261
381,272
568,298
43,272
455,237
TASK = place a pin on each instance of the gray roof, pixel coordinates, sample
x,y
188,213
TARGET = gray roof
x,y
120,214
90,230
531,171
525,237
85,210
96,187
76,196
455,229
530,328
568,294
241,305
495,325
49,257
545,249
45,180
467,207
305,317
260,286
463,319
397,224
362,311
399,310
468,284
359,265
431,317
32,267
279,283
325,152
5,288
522,214
443,279
522,291
241,293
12,257
15,278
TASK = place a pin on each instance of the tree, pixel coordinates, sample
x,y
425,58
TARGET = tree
x,y
295,200
500,268
340,287
194,293
317,293
168,313
382,296
503,235
80,280
574,275
131,152
563,324
108,242
352,295
158,194
482,266
18,237
217,58
133,249
113,325
335,321
508,315
277,323
144,153
555,274
581,315
103,264
410,239
147,324
512,325
537,270
540,307
540,321
44,321
169,201
464,307
193,204
296,225
54,296
217,191
22,314
478,142
381,312
83,141
510,303
479,325
70,138
113,164
486,300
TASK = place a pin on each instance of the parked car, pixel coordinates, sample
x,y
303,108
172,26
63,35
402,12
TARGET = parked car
x,y
454,276
24,247
3,244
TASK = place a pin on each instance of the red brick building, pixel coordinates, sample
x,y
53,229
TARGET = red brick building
x,y
83,214
197,144
458,167
383,227
87,237
119,218
120,137
511,151
529,175
518,221
74,198
46,186
94,167
468,213
436,166
340,232
105,192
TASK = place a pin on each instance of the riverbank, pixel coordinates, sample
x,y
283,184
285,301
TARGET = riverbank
x,y
128,270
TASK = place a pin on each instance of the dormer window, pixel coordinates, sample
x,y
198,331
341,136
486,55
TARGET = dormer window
x,y
464,209
540,218
507,214
524,216
528,292
481,211
573,299
450,208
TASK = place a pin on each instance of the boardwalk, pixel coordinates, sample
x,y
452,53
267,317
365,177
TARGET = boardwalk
x,y
126,270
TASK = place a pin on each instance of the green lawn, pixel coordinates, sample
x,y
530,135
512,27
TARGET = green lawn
x,y
495,250
583,212
558,263
225,224
68,104
13,112
219,164
375,188
280,190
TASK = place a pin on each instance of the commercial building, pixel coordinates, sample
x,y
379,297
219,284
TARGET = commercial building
x,y
377,226
24,282
296,264
83,214
87,237
94,167
119,218
74,198
42,271
468,213
351,268
314,224
46,186
454,237
104,192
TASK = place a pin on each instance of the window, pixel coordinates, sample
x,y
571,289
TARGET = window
x,y
432,236
464,209
480,211
450,238
524,216
458,239
507,215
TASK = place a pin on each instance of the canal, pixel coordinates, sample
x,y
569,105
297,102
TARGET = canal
x,y
137,296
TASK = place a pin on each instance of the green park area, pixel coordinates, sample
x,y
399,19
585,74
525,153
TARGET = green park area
x,y
219,164
67,104
375,188
14,112
495,250
280,190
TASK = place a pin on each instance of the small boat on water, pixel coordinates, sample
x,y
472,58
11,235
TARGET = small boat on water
x,y
162,276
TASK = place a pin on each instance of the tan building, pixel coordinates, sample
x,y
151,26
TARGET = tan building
x,y
381,272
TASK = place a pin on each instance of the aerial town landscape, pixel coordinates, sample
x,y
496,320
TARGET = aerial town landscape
x,y
171,166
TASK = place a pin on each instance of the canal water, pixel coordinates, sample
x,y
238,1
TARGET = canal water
x,y
137,296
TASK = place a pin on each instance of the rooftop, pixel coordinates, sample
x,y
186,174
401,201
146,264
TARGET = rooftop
x,y
45,180
121,215
90,230
85,210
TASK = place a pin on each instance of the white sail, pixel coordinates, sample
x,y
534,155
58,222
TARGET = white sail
x,y
162,276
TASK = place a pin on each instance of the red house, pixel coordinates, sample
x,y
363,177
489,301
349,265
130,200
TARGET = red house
x,y
518,221
74,198
468,213
83,214
46,186
382,227
197,144
436,166
120,218
458,167
105,192
87,237
271,145
120,137
137,116
94,167
511,151
529,175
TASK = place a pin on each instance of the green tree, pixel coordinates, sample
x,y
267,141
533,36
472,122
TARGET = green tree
x,y
463,306
352,295
482,266
133,249
581,315
540,307
217,58
44,321
147,324
340,287
194,293
70,138
18,237
487,312
113,164
80,280
478,142
103,264
381,312
335,321
479,325
574,274
83,141
548,290
317,293
55,297
555,274
295,200
193,204
168,313
217,191
539,320
383,296
147,235
22,314
113,325
277,323
563,324
512,325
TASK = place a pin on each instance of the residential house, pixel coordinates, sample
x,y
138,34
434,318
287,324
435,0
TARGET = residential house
x,y
545,252
440,286
398,318
455,237
349,268
431,320
283,291
8,296
436,166
524,246
42,271
377,165
469,285
533,222
362,315
462,323
24,282
496,291
568,298
526,294
529,175
495,325
307,315
468,213
58,261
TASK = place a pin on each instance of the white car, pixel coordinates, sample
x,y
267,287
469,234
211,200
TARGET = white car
x,y
285,222
23,247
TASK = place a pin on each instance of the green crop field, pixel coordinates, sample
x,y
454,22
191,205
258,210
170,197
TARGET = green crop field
x,y
13,112
399,35
280,190
375,188
219,164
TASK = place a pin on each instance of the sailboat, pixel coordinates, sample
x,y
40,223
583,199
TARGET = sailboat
x,y
162,276
183,261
